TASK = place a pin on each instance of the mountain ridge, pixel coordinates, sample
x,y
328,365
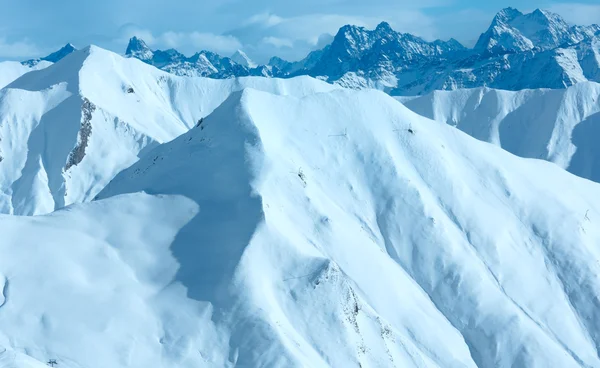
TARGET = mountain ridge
x,y
94,113
252,240
514,46
518,51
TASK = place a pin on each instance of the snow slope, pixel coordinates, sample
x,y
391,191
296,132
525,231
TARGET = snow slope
x,y
341,230
65,131
10,358
560,126
11,70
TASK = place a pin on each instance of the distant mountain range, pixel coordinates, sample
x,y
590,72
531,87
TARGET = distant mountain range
x,y
518,51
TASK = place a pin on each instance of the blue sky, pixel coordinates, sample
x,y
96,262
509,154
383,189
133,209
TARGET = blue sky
x,y
262,28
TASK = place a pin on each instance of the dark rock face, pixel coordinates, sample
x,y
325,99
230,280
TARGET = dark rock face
x,y
78,153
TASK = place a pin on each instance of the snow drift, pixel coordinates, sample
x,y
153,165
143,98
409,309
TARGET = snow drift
x,y
337,229
65,131
560,126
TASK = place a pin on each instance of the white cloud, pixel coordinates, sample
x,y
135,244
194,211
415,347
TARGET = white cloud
x,y
264,19
278,42
218,43
171,39
582,14
129,30
189,42
18,49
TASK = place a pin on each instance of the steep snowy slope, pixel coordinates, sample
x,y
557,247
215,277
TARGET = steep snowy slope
x,y
11,70
10,358
65,131
342,230
560,126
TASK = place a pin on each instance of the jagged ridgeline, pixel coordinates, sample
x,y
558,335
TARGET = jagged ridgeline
x,y
518,51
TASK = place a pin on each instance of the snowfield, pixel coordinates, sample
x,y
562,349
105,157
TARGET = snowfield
x,y
328,228
560,126
67,130
11,70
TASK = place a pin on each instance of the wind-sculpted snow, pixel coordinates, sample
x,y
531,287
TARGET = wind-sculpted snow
x,y
341,229
560,126
66,130
297,226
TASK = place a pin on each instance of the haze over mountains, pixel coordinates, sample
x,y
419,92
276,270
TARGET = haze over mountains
x,y
149,219
518,51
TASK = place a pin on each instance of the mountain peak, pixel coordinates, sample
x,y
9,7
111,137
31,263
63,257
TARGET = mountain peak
x,y
507,15
53,57
64,51
384,27
138,49
545,16
241,58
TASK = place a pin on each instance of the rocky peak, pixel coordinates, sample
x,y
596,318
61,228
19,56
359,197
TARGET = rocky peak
x,y
139,49
384,27
53,57
506,15
64,51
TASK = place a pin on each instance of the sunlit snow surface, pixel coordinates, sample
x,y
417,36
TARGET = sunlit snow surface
x,y
11,70
132,108
561,126
324,228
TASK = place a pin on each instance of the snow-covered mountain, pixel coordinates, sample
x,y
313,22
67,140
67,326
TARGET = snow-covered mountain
x,y
202,64
561,126
518,51
66,130
512,31
334,229
379,52
53,57
11,70
241,58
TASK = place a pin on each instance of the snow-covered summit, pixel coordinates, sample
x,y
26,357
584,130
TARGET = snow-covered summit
x,y
201,64
139,49
68,129
241,58
53,57
513,31
58,55
380,50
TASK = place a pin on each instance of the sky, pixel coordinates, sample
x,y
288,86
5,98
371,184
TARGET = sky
x,y
261,28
